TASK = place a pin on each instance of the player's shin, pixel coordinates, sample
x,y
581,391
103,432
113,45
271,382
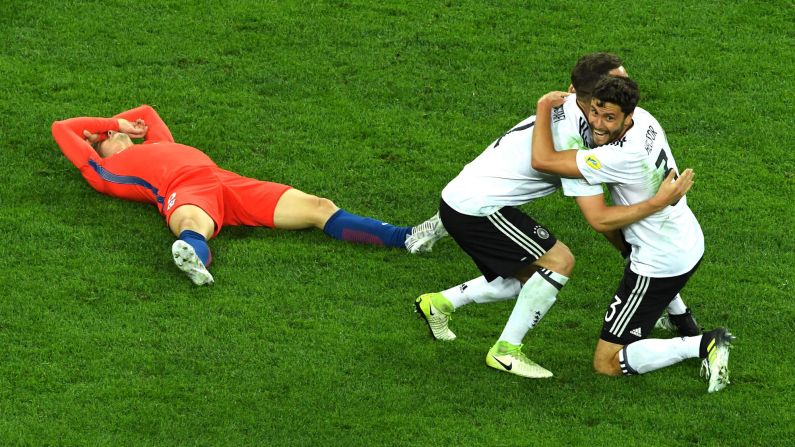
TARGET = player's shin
x,y
343,225
481,291
652,354
199,244
535,299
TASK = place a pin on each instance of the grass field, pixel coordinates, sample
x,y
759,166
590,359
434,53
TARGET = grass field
x,y
377,105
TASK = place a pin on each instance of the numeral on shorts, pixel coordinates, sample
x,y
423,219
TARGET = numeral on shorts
x,y
612,311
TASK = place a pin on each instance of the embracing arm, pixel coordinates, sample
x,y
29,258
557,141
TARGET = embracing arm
x,y
604,218
544,156
70,138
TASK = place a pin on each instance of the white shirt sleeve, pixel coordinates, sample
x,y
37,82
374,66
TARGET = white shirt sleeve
x,y
610,164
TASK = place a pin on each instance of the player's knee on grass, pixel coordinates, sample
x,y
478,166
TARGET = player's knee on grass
x,y
606,362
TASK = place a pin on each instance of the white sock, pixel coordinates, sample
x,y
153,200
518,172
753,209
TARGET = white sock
x,y
481,291
651,354
535,299
677,306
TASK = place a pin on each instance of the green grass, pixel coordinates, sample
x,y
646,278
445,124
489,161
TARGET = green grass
x,y
307,341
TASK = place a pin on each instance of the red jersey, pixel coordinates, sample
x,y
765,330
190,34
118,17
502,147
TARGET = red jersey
x,y
142,172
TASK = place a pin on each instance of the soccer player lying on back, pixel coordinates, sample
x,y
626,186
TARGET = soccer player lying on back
x,y
633,159
197,198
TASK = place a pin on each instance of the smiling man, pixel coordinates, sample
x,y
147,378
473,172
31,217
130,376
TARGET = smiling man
x,y
632,158
197,198
517,256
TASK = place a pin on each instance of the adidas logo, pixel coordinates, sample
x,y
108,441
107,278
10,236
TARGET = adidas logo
x,y
635,332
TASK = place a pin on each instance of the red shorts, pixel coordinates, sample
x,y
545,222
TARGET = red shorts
x,y
229,198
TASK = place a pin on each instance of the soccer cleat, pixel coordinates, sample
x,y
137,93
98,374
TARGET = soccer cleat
x,y
716,364
186,260
424,235
436,318
504,356
685,324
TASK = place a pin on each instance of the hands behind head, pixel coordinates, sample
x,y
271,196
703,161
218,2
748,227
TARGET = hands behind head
x,y
554,98
136,129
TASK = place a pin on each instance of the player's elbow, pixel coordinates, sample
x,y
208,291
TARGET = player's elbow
x,y
539,164
599,224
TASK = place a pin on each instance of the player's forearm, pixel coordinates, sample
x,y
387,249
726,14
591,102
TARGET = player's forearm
x,y
544,157
158,131
619,216
69,136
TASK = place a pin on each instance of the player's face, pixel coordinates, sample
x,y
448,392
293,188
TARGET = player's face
x,y
116,142
607,121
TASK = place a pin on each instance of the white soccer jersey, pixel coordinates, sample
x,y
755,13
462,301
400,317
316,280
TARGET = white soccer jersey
x,y
669,242
503,176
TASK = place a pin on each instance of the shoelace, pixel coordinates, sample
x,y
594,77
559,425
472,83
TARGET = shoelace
x,y
704,369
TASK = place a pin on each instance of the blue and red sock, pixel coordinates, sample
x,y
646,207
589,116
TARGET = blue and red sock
x,y
199,244
345,226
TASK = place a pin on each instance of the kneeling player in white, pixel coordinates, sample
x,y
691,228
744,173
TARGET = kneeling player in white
x,y
515,254
632,158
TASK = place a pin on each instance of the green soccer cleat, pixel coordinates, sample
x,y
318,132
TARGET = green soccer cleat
x,y
507,357
435,309
424,235
186,260
716,365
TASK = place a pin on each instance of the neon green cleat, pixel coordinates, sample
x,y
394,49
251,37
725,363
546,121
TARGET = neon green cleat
x,y
507,357
435,309
716,365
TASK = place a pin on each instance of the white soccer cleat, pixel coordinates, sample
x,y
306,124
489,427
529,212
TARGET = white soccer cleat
x,y
186,260
716,365
504,356
424,235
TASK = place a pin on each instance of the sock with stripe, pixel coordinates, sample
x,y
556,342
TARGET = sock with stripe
x,y
199,244
652,354
677,306
481,291
536,297
343,225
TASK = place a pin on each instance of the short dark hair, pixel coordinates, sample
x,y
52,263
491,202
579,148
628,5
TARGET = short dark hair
x,y
620,91
589,69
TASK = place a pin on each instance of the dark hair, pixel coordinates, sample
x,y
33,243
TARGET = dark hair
x,y
620,91
589,69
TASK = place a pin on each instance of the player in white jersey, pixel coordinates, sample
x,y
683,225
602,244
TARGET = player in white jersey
x,y
573,131
632,158
515,254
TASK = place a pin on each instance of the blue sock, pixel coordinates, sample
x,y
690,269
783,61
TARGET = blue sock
x,y
199,244
350,227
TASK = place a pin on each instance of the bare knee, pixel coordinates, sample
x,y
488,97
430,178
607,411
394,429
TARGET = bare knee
x,y
191,217
322,209
605,359
559,259
606,367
